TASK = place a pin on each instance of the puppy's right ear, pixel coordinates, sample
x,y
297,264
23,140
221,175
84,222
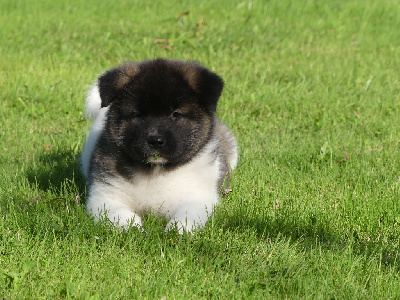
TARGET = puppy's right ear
x,y
112,81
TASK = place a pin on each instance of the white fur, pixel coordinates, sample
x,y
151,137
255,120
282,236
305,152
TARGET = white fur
x,y
186,195
93,101
94,134
99,115
233,159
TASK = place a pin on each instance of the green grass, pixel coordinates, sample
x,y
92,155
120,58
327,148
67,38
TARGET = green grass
x,y
312,94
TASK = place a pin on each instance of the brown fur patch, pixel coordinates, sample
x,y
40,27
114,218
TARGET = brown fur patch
x,y
126,72
188,107
190,73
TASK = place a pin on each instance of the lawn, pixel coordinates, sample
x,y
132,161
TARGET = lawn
x,y
312,93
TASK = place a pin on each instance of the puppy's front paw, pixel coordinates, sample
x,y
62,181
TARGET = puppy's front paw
x,y
119,217
125,219
188,217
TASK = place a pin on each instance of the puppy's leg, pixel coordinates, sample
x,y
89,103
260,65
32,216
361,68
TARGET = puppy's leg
x,y
189,216
105,199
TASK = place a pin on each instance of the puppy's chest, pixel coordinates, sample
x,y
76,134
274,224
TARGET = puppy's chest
x,y
152,189
161,191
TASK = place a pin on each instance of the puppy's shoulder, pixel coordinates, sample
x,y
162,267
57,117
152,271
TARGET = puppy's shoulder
x,y
227,143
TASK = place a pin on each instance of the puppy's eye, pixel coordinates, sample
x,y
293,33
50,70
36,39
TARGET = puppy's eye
x,y
176,114
135,114
128,115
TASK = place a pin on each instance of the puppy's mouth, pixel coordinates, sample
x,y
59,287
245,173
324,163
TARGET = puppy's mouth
x,y
157,159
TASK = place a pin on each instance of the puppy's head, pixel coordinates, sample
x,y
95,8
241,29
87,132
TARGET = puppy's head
x,y
160,111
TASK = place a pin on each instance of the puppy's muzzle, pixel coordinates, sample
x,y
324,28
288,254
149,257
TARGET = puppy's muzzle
x,y
156,141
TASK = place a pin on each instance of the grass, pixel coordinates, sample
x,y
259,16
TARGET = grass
x,y
312,94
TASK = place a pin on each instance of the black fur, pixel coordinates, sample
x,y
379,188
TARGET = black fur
x,y
158,108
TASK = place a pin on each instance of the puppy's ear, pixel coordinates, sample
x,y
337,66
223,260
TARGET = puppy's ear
x,y
205,83
112,81
210,86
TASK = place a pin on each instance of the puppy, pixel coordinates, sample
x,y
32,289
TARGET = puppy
x,y
155,144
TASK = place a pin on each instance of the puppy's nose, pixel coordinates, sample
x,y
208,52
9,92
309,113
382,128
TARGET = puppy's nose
x,y
156,141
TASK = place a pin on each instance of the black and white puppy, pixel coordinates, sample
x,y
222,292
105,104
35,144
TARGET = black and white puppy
x,y
156,145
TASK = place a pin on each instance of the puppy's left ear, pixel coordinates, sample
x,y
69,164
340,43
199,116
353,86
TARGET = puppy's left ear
x,y
112,81
205,83
210,86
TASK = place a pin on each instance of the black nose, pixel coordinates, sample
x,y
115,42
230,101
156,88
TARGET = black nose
x,y
156,141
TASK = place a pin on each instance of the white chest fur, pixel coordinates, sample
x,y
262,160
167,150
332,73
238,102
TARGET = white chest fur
x,y
162,191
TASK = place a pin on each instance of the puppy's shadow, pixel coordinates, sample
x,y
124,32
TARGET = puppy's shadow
x,y
57,171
